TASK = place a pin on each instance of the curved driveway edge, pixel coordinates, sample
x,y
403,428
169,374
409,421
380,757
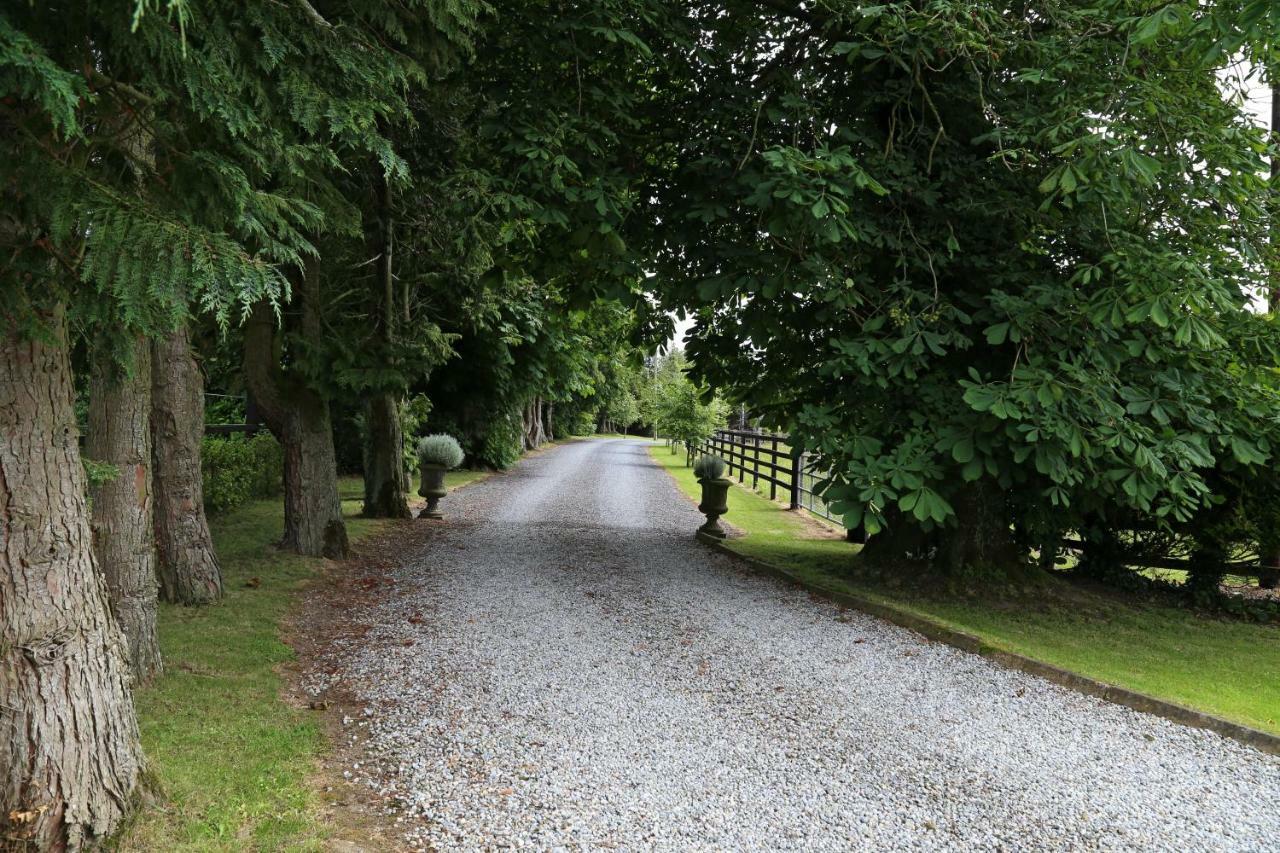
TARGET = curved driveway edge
x,y
1147,704
561,665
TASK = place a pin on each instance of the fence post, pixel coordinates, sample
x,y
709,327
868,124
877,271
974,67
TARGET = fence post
x,y
795,477
755,461
773,467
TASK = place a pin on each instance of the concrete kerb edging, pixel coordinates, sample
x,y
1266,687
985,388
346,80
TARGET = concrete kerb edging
x,y
938,632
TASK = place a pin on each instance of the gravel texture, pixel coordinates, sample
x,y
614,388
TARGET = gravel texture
x,y
569,668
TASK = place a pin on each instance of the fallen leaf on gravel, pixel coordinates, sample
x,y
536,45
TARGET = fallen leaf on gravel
x,y
1022,691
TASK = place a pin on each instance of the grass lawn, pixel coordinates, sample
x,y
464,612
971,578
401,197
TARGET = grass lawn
x,y
231,759
1225,667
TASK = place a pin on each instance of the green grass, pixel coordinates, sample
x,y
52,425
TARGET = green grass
x,y
231,759
1225,667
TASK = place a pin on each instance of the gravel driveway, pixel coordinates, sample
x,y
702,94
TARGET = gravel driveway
x,y
564,666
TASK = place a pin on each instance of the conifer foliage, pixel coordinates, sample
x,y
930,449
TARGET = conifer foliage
x,y
172,161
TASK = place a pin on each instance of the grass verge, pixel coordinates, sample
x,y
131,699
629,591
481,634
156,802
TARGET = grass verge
x,y
1224,667
232,760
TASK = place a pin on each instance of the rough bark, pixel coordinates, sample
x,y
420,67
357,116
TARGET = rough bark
x,y
123,537
300,420
531,424
69,750
186,561
386,483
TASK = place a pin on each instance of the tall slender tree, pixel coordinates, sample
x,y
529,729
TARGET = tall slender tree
x,y
386,483
186,561
299,417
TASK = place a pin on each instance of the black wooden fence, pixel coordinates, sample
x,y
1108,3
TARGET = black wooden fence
x,y
760,457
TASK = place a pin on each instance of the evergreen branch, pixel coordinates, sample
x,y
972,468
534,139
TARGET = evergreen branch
x,y
316,17
132,92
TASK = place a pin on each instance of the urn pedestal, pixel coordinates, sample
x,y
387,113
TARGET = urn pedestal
x,y
432,489
715,503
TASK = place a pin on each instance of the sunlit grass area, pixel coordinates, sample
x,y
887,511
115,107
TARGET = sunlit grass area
x,y
1225,667
230,758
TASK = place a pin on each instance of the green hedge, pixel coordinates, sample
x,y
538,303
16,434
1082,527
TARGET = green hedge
x,y
236,469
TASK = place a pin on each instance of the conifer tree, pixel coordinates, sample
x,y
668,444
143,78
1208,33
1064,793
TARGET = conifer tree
x,y
246,111
186,562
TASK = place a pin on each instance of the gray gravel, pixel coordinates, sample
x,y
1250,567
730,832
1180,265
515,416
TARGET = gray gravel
x,y
584,674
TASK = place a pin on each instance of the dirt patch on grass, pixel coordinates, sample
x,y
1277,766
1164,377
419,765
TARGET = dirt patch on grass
x,y
324,619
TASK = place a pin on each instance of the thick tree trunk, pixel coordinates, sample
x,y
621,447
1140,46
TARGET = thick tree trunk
x,y
386,483
300,420
69,751
188,565
123,537
899,543
312,509
982,538
531,424
551,424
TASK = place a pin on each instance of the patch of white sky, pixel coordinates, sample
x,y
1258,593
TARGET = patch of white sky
x,y
1242,80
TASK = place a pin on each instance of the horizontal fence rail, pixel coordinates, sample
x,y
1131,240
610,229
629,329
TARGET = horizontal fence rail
x,y
769,458
760,457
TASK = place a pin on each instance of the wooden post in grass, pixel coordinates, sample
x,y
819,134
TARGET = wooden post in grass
x,y
795,478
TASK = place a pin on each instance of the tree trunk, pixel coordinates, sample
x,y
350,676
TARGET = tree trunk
x,y
1269,559
300,420
386,483
69,749
123,537
540,432
188,565
982,538
897,544
551,424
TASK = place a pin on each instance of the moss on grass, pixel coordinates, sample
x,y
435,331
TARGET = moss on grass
x,y
1224,667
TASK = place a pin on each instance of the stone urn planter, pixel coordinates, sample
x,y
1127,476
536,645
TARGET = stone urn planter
x,y
432,489
436,454
715,494
715,503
